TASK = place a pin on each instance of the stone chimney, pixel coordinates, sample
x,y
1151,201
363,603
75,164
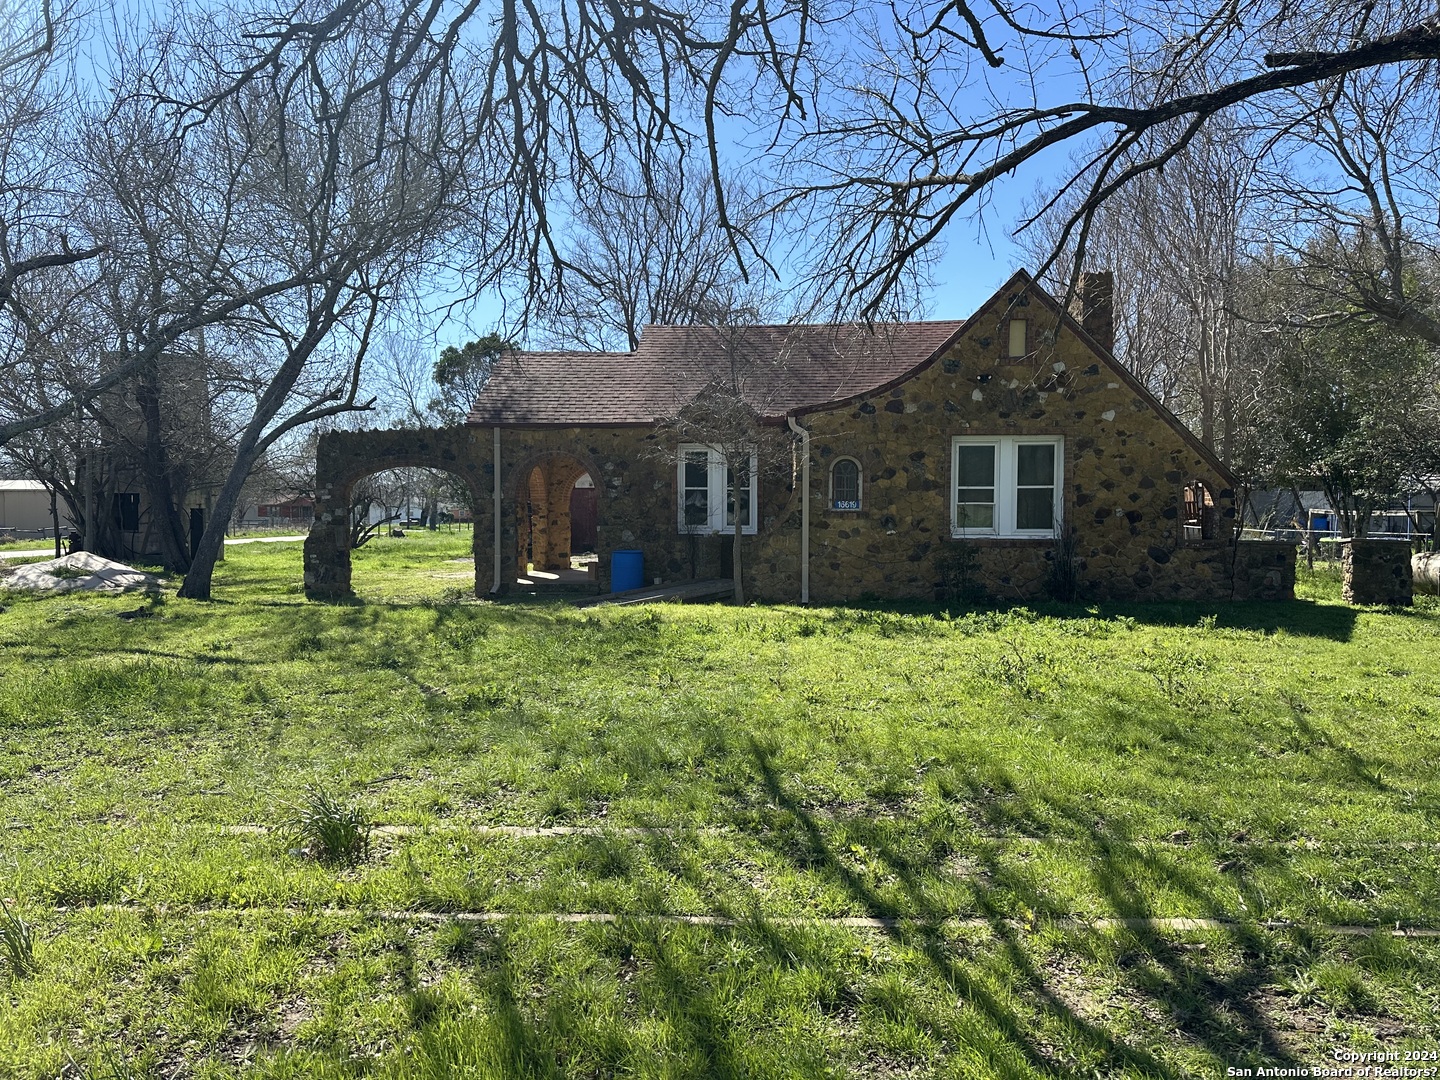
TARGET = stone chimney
x,y
1093,306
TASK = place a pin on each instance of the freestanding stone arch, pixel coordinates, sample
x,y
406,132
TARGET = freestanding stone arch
x,y
345,457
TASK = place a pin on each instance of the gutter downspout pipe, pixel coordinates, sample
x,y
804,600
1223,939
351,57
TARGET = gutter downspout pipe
x,y
804,508
495,512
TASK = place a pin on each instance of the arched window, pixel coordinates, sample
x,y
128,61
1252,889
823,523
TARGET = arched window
x,y
845,485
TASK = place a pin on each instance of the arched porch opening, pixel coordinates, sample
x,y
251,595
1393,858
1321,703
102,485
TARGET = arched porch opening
x,y
551,491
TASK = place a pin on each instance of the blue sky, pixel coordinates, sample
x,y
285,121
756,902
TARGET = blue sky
x,y
977,252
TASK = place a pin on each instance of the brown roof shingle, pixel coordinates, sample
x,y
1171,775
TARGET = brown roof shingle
x,y
779,369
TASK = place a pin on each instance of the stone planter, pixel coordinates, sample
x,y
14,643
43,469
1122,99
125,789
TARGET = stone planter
x,y
1376,572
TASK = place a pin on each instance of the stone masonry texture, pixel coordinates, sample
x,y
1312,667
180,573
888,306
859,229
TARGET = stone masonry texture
x,y
1376,572
1125,467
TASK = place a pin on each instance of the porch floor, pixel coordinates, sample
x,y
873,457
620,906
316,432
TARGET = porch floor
x,y
540,578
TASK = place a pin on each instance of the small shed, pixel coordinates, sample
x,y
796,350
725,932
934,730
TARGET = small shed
x,y
24,507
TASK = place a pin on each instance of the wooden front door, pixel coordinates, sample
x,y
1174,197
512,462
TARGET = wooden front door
x,y
584,518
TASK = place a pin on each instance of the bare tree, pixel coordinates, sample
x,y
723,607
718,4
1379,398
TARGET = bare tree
x,y
276,214
884,124
1177,242
1350,200
731,425
44,249
385,492
647,250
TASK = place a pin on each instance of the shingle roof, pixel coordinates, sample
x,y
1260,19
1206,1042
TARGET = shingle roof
x,y
779,369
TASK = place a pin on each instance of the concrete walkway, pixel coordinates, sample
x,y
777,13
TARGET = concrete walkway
x,y
49,552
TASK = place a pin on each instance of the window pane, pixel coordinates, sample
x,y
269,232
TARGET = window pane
x,y
975,495
744,498
697,489
845,485
1035,465
697,509
975,516
696,470
974,466
1017,337
1035,508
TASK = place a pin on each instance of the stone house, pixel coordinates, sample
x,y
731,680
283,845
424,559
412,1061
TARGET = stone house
x,y
1007,454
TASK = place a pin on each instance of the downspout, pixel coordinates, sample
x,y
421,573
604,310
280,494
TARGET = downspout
x,y
495,588
804,508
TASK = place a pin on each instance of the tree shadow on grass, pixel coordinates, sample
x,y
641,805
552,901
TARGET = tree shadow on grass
x,y
1302,618
899,618
1213,1012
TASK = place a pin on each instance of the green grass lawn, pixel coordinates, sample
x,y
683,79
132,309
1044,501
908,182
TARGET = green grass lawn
x,y
991,784
10,543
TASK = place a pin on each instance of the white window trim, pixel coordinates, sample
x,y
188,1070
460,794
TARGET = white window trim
x,y
1005,487
715,492
859,488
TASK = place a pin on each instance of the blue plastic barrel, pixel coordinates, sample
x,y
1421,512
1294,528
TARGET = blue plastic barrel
x,y
627,570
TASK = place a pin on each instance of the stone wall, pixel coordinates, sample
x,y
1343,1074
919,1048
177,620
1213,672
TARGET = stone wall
x,y
1124,471
635,495
345,457
1376,572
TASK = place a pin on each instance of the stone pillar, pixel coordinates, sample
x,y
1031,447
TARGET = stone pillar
x,y
1376,571
327,548
559,482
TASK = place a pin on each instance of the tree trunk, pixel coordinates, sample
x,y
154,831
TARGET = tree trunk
x,y
174,538
1309,532
159,485
202,567
735,555
254,441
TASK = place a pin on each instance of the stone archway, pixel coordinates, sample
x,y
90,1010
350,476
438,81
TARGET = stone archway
x,y
343,458
542,510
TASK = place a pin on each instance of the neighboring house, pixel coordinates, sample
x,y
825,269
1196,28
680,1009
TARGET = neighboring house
x,y
129,526
25,507
992,450
281,512
159,443
1275,512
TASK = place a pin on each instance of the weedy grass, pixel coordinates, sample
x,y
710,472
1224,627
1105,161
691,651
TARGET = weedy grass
x,y
990,781
17,941
323,827
13,543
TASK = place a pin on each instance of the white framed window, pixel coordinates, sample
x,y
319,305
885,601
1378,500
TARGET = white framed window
x,y
1006,485
845,485
708,492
